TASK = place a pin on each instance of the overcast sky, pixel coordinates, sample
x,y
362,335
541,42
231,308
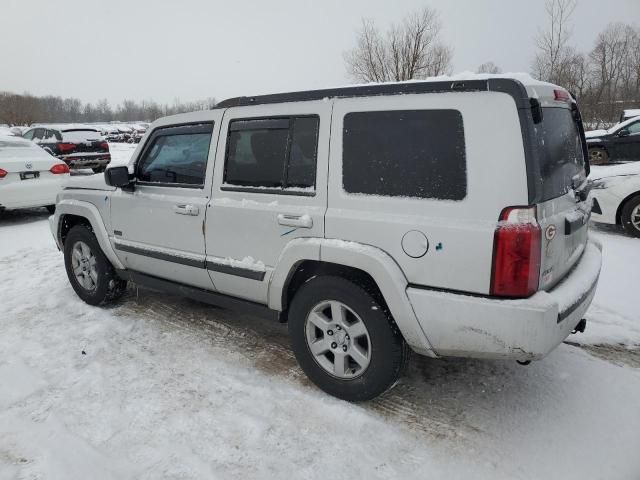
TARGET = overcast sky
x,y
194,49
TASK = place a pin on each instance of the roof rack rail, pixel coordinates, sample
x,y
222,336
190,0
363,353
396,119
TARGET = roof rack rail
x,y
506,85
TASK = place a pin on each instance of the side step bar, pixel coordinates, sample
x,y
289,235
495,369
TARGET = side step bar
x,y
199,294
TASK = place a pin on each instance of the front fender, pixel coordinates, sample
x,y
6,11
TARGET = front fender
x,y
90,212
377,263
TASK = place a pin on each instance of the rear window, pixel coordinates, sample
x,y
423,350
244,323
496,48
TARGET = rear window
x,y
78,136
405,153
560,152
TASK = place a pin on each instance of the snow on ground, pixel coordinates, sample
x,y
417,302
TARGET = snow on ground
x,y
162,387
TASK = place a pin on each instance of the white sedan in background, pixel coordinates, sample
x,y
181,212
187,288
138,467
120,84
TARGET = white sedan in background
x,y
29,176
616,195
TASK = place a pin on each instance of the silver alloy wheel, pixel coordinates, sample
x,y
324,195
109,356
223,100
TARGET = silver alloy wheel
x,y
83,262
635,217
338,339
597,155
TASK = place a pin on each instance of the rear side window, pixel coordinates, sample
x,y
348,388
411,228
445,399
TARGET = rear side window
x,y
560,151
177,156
405,153
276,153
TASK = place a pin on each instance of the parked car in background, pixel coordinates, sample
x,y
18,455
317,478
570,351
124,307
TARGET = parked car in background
x,y
629,113
79,146
369,218
616,196
621,143
29,176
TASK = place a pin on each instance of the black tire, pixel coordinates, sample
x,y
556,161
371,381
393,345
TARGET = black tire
x,y
625,217
389,352
51,209
598,156
99,169
109,286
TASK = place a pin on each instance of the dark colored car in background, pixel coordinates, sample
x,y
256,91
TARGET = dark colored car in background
x,y
78,146
621,143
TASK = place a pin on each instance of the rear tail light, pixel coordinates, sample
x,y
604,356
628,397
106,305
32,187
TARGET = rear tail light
x,y
516,253
3,173
104,146
66,147
561,95
59,168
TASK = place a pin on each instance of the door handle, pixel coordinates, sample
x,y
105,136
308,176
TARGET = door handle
x,y
300,221
186,209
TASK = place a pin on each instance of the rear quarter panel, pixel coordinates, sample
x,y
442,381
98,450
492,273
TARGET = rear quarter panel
x,y
460,233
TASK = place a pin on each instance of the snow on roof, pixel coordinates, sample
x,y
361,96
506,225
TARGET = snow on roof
x,y
66,126
631,112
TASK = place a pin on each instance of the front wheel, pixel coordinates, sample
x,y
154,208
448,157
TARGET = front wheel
x,y
598,156
90,273
344,340
630,216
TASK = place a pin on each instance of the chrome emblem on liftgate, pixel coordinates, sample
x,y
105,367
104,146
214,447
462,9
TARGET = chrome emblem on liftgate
x,y
28,166
550,232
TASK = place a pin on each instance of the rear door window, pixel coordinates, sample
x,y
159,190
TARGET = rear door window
x,y
562,162
405,153
272,153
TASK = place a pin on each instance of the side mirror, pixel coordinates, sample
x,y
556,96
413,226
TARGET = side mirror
x,y
623,133
117,176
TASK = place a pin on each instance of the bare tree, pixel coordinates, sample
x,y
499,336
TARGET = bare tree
x,y
489,67
553,57
410,50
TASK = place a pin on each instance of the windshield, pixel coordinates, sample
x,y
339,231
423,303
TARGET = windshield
x,y
562,161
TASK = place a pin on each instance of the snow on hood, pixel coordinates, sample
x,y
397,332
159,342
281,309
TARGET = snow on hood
x,y
623,169
88,182
595,133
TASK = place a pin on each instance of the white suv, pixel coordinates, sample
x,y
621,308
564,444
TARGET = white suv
x,y
447,217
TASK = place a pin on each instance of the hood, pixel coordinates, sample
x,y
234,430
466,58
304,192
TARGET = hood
x,y
595,133
88,182
621,170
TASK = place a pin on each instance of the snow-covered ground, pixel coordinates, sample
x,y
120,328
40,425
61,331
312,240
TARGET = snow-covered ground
x,y
163,387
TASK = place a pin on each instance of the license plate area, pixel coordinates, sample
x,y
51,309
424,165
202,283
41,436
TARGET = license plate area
x,y
29,175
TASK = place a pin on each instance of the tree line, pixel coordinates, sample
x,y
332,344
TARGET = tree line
x,y
605,79
26,109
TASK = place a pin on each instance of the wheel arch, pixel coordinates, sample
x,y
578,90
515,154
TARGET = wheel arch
x,y
622,205
71,212
305,258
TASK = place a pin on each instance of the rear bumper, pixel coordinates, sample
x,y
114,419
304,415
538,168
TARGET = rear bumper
x,y
31,193
527,329
88,160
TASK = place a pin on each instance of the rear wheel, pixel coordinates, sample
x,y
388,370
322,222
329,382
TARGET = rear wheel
x,y
598,156
630,216
90,273
344,340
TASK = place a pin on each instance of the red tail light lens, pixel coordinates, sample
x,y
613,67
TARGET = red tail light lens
x,y
3,173
59,168
66,147
561,95
516,254
104,146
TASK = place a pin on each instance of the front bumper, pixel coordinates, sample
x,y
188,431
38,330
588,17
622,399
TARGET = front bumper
x,y
526,329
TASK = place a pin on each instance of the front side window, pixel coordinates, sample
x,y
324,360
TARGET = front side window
x,y
405,153
29,135
275,153
634,128
176,156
